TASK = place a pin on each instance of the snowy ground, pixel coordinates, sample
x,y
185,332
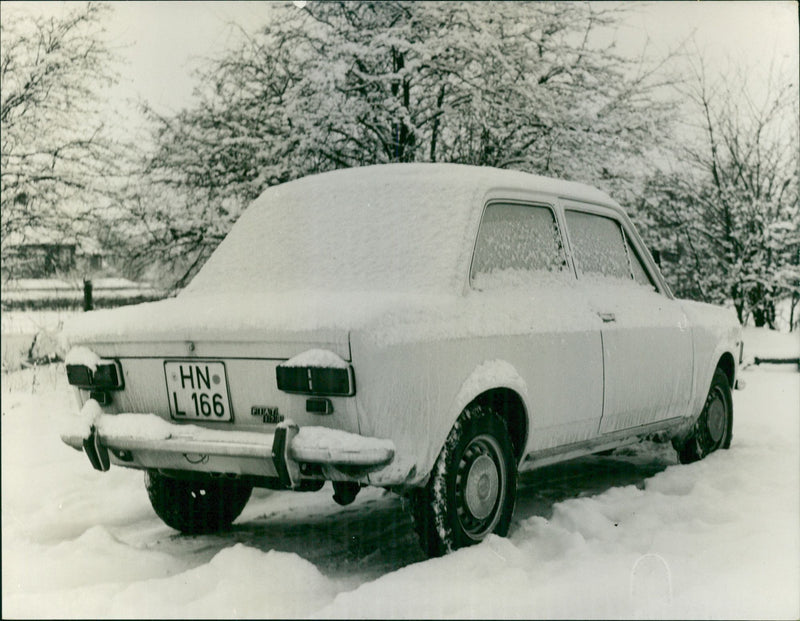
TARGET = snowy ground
x,y
632,535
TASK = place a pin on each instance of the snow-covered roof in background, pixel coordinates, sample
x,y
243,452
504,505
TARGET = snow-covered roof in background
x,y
404,227
42,236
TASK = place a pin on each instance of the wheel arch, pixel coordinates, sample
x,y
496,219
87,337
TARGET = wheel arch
x,y
496,384
509,405
726,363
728,366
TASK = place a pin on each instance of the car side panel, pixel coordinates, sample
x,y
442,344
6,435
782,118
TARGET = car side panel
x,y
647,355
413,391
647,344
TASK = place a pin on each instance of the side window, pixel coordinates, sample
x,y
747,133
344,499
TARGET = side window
x,y
598,245
515,241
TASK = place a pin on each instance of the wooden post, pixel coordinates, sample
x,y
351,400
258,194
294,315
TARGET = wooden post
x,y
87,295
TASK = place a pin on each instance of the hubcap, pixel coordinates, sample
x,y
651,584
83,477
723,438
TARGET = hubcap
x,y
716,418
481,489
479,486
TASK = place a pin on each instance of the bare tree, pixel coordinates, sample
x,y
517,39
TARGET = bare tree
x,y
729,218
56,159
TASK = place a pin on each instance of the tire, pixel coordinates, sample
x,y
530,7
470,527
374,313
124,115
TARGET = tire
x,y
472,487
714,427
195,506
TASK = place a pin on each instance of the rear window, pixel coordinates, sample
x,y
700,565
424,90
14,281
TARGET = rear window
x,y
392,228
516,241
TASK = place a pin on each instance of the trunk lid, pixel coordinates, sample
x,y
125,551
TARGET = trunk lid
x,y
148,350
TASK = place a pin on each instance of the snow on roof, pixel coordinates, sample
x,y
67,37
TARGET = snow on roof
x,y
383,248
404,227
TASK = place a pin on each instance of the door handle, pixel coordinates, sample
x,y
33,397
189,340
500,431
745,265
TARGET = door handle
x,y
607,317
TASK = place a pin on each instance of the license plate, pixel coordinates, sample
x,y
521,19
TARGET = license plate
x,y
198,390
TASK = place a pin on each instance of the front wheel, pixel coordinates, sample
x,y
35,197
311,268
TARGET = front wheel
x,y
196,505
472,488
714,427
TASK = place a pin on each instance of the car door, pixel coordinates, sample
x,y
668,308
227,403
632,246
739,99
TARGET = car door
x,y
647,344
521,272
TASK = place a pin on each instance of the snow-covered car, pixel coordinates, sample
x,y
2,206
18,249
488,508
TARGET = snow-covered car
x,y
431,329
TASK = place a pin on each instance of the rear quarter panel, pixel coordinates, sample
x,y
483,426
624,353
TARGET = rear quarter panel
x,y
412,390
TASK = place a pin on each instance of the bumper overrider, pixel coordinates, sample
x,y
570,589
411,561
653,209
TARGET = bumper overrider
x,y
147,440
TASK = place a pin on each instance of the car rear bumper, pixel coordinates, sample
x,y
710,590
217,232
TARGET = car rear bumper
x,y
148,441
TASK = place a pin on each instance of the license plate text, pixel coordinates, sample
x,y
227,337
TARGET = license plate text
x,y
198,390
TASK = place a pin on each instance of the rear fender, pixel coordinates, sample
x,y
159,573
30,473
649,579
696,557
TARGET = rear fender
x,y
489,375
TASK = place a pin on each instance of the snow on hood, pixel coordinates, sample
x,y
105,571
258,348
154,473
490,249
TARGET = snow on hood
x,y
720,320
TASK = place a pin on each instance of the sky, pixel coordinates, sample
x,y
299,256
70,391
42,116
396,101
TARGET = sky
x,y
161,42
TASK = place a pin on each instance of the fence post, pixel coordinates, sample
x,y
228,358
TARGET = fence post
x,y
87,295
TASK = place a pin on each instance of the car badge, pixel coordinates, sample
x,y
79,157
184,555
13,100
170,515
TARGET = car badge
x,y
268,414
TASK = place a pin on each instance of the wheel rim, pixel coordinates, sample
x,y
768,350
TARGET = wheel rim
x,y
716,417
480,486
481,489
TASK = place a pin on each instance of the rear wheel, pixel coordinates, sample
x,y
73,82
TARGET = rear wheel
x,y
714,427
196,505
472,488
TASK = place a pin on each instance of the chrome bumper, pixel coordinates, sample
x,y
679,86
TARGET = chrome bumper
x,y
282,452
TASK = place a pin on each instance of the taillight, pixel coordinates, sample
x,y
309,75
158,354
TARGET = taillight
x,y
292,379
107,375
316,380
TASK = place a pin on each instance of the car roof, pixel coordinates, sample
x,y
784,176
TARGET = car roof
x,y
394,226
460,177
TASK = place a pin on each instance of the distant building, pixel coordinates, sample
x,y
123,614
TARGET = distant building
x,y
45,270
40,253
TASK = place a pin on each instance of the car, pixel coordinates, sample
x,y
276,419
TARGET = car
x,y
430,329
